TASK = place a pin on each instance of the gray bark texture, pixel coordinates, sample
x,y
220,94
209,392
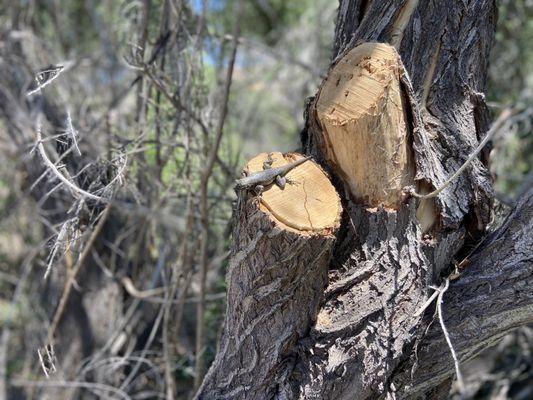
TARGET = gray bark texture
x,y
270,266
492,297
367,342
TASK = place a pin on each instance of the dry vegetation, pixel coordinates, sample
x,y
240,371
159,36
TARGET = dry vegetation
x,y
116,176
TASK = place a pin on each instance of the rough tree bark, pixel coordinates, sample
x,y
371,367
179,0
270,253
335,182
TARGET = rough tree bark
x,y
282,245
367,340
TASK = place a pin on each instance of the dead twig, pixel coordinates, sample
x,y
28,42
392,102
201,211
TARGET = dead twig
x,y
441,290
71,278
72,132
52,167
204,207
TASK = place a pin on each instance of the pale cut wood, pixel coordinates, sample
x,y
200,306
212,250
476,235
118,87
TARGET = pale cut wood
x,y
309,204
359,108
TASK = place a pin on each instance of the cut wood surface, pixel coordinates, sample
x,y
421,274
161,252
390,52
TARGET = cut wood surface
x,y
359,108
310,203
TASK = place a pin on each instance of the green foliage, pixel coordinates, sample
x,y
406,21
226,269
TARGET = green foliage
x,y
512,55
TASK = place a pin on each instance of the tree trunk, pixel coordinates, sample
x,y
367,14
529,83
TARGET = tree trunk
x,y
282,245
416,125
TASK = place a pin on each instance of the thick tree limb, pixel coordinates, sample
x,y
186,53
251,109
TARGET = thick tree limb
x,y
276,278
382,271
491,298
367,336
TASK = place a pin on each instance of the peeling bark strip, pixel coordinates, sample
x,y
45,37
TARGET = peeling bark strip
x,y
277,274
401,22
360,110
445,51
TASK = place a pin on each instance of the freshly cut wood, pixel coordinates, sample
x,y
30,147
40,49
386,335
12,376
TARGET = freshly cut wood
x,y
360,110
310,203
277,274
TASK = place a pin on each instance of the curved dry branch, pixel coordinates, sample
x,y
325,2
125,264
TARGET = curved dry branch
x,y
51,166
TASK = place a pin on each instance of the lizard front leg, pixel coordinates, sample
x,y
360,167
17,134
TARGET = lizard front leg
x,y
267,164
257,191
281,181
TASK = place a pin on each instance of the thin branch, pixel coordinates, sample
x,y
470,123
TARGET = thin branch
x,y
178,105
427,303
70,130
47,359
441,291
140,294
58,243
204,208
44,78
132,375
182,266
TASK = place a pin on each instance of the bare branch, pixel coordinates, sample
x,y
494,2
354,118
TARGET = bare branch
x,y
72,275
51,166
72,132
204,209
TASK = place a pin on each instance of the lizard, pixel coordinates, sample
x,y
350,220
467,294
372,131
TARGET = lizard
x,y
258,180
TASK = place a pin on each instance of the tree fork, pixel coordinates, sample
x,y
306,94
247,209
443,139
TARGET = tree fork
x,y
388,252
278,270
444,50
381,269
